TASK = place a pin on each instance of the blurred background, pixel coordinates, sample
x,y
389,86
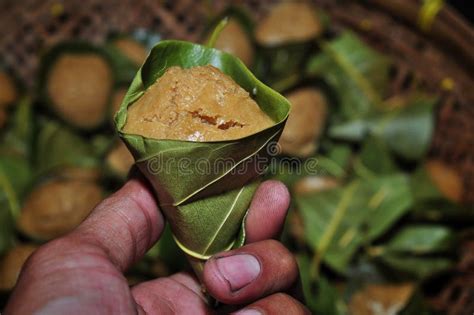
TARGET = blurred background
x,y
382,100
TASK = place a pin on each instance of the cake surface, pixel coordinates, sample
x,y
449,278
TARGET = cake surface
x,y
235,41
305,123
288,22
79,87
195,104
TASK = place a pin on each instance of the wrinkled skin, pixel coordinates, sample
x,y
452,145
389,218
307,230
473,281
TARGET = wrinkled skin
x,y
82,272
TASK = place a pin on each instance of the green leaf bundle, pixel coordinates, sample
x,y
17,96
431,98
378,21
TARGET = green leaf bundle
x,y
205,208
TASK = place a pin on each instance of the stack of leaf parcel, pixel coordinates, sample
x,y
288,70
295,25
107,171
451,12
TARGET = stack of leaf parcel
x,y
375,223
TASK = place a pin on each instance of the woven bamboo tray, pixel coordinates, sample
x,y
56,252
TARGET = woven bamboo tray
x,y
440,60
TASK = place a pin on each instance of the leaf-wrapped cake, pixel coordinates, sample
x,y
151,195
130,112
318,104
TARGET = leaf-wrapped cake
x,y
199,125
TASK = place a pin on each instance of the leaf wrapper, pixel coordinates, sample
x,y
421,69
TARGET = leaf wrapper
x,y
203,188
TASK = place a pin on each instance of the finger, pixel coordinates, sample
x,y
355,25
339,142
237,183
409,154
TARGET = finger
x,y
245,274
124,226
177,294
275,304
269,205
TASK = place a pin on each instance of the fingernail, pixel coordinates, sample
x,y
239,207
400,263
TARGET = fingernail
x,y
248,311
238,270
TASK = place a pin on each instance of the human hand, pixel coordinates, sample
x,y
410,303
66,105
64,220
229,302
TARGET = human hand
x,y
82,272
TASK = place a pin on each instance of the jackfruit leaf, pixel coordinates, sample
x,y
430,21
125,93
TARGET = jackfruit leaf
x,y
418,305
290,169
340,154
320,296
356,73
416,267
421,239
123,67
167,251
58,146
18,138
423,187
442,210
335,161
102,143
375,156
7,231
15,175
338,222
240,15
205,209
407,131
280,67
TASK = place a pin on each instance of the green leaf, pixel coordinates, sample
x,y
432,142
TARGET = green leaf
x,y
205,209
338,222
239,14
102,143
340,154
19,136
442,210
357,74
411,251
290,169
167,251
320,296
124,68
421,239
407,131
15,175
208,241
353,130
376,157
414,250
423,186
417,267
58,146
417,306
8,226
335,161
15,172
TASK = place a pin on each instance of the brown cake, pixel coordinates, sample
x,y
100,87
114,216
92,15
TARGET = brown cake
x,y
235,41
195,104
306,122
119,159
288,22
8,91
11,264
79,87
134,51
446,179
58,206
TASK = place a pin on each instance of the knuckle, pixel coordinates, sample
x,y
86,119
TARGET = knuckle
x,y
283,298
286,259
45,254
289,304
274,245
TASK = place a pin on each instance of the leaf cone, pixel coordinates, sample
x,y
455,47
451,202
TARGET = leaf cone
x,y
203,188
